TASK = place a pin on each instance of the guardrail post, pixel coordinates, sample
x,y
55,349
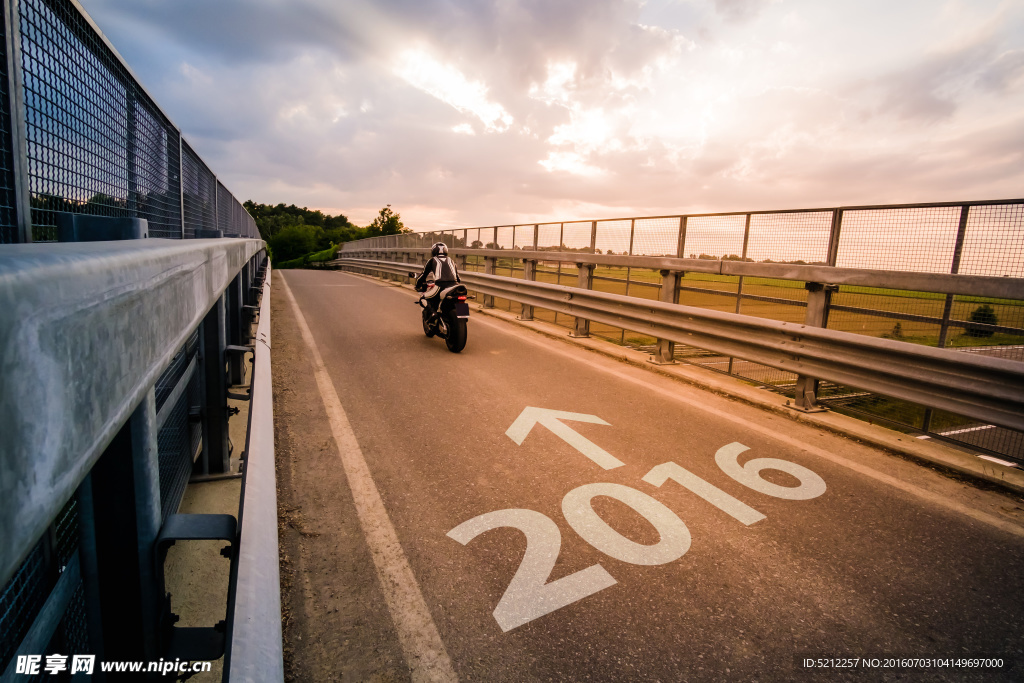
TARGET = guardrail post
x,y
406,258
529,273
19,130
125,514
489,264
585,281
216,457
235,323
665,353
818,298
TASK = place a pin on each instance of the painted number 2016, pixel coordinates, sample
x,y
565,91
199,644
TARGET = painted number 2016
x,y
530,596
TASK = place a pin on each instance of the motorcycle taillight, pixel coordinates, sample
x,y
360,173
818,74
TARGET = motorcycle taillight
x,y
462,298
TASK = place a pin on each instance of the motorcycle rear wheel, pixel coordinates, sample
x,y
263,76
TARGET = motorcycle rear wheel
x,y
457,332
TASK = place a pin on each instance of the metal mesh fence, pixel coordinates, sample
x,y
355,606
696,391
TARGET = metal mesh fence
x,y
96,143
25,594
714,237
656,237
908,239
179,436
994,241
22,598
199,193
790,237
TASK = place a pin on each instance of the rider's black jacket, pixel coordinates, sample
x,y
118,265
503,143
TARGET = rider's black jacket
x,y
444,271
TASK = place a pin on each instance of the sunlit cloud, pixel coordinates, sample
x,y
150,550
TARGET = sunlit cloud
x,y
582,110
449,85
570,162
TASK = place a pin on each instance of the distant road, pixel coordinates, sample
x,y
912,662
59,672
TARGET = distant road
x,y
562,516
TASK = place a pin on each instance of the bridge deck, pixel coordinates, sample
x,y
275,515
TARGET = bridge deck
x,y
889,559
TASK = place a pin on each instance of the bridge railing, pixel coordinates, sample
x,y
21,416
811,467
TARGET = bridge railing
x,y
974,303
120,337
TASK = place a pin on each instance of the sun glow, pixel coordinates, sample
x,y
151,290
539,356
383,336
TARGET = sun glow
x,y
449,85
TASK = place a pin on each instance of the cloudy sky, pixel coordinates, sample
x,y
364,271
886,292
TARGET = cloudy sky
x,y
462,113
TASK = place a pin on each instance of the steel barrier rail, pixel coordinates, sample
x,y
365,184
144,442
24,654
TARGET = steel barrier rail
x,y
254,650
984,388
85,330
942,283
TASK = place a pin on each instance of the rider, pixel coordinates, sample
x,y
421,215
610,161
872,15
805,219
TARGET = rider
x,y
444,271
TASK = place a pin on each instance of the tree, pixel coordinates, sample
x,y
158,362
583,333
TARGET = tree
x,y
387,222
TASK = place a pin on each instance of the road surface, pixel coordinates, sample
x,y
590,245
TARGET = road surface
x,y
527,510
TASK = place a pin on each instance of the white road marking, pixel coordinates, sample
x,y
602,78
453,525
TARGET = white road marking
x,y
552,420
935,498
969,429
425,654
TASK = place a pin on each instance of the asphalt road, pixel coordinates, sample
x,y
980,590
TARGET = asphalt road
x,y
562,558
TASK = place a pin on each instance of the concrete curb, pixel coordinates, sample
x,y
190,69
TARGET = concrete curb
x,y
947,459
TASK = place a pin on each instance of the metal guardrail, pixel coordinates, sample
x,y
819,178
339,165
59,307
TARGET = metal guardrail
x,y
989,389
88,331
254,643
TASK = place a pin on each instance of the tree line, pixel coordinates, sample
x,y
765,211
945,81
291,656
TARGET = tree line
x,y
293,232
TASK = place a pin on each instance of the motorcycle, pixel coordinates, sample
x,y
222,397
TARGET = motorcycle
x,y
449,321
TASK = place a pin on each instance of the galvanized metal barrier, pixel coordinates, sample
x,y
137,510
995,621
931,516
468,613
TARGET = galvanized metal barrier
x,y
254,625
989,389
87,330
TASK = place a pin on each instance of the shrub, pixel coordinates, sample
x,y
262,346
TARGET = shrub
x,y
985,315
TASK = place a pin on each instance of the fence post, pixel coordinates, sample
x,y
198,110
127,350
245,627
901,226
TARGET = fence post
x,y
126,517
585,281
818,297
489,264
833,236
235,323
181,183
681,245
529,273
954,269
18,127
665,353
216,457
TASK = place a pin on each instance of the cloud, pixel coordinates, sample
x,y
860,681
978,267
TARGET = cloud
x,y
449,85
477,112
739,11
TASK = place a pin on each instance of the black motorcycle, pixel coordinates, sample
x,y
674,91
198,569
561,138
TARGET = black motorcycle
x,y
449,321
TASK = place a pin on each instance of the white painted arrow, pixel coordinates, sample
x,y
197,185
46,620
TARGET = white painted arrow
x,y
550,419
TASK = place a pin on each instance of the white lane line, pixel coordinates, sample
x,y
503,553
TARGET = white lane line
x,y
425,654
935,498
969,429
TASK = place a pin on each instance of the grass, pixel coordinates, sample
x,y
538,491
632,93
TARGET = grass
x,y
315,257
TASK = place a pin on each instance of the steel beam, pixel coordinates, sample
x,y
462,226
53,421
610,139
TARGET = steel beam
x,y
85,331
254,632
